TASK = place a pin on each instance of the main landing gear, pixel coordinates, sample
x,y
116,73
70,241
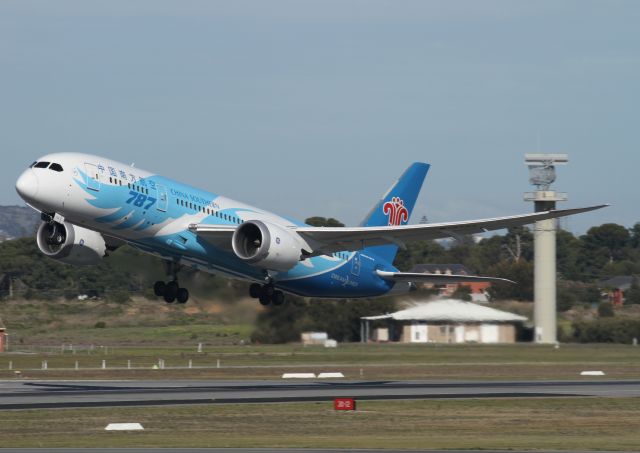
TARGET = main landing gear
x,y
266,294
171,291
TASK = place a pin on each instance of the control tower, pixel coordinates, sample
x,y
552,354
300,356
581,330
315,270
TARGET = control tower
x,y
542,174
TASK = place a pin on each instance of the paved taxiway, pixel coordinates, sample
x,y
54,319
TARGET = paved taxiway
x,y
28,394
270,450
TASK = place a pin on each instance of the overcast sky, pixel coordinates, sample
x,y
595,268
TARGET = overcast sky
x,y
315,107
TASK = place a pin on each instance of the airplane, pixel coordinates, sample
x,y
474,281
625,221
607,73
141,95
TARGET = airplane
x,y
91,205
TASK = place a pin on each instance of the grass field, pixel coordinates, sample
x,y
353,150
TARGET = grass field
x,y
541,424
372,361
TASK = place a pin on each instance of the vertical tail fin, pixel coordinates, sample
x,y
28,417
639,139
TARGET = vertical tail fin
x,y
395,206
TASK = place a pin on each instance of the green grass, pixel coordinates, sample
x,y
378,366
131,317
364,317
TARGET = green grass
x,y
541,424
374,361
157,335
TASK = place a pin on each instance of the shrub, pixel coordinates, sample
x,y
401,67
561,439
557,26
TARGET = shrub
x,y
607,330
605,310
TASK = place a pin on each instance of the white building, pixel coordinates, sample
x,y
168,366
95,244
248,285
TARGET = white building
x,y
444,321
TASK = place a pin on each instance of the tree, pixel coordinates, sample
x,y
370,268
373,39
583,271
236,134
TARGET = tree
x,y
323,222
518,242
635,236
462,292
572,293
521,273
339,318
603,244
605,310
567,252
632,295
420,252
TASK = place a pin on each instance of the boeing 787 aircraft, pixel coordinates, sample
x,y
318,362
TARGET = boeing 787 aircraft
x,y
91,205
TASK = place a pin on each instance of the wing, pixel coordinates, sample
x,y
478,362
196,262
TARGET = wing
x,y
324,240
437,279
329,240
218,235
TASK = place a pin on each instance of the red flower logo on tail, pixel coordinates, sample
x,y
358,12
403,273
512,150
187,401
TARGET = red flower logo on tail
x,y
396,211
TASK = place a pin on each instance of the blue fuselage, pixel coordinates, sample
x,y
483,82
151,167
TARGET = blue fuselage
x,y
153,214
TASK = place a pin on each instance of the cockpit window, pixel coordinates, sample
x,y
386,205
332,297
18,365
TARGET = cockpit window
x,y
41,165
33,164
55,167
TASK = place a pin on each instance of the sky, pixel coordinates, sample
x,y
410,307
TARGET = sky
x,y
315,107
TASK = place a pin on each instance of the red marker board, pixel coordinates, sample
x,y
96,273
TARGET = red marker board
x,y
344,404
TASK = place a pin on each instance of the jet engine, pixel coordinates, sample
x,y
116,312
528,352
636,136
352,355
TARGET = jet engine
x,y
71,244
267,245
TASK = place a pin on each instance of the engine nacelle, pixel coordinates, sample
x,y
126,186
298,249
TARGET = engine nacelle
x,y
267,245
71,244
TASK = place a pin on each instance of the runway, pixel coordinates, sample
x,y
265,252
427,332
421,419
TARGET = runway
x,y
271,450
33,394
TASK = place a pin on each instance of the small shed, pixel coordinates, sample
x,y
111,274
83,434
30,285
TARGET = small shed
x,y
445,321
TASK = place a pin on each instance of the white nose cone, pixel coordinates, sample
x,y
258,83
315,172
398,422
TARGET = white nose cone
x,y
27,185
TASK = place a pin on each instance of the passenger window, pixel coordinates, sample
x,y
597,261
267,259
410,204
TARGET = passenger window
x,y
41,165
55,167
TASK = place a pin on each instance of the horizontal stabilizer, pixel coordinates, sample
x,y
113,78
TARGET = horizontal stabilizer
x,y
438,279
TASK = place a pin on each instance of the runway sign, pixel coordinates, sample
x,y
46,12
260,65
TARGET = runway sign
x,y
124,427
330,375
298,376
344,404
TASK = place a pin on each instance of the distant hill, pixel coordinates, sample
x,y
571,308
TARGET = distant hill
x,y
17,222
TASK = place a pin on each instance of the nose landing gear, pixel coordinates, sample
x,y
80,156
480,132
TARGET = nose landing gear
x,y
266,294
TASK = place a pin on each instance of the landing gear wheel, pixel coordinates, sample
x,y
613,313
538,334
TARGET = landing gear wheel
x,y
277,298
255,290
268,291
171,292
158,288
182,296
264,300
